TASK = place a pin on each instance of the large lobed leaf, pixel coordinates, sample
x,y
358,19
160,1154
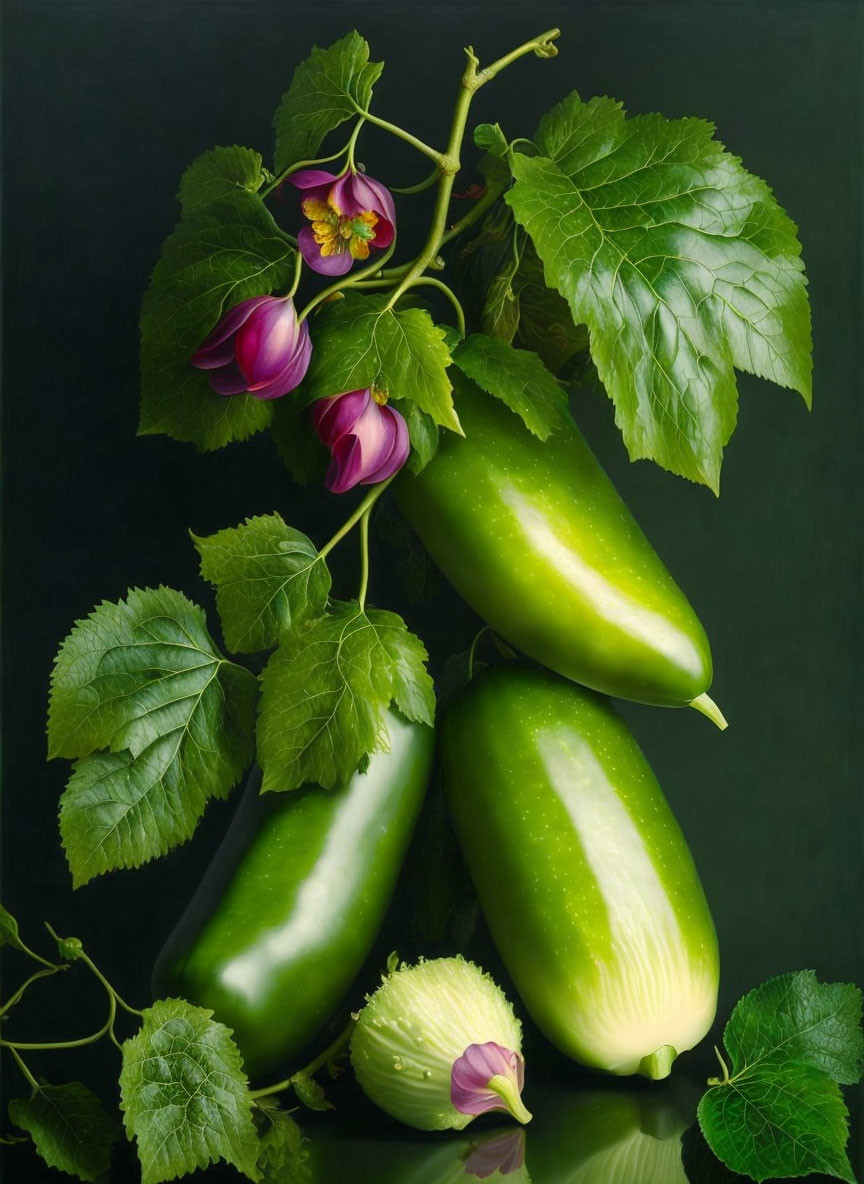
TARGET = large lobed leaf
x,y
680,262
268,578
781,1113
225,249
159,720
327,88
326,691
518,378
70,1128
184,1094
359,343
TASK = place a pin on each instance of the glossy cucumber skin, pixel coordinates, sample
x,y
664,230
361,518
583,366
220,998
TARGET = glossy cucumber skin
x,y
582,872
292,902
535,537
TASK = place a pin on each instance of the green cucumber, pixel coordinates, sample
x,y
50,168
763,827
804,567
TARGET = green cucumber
x,y
582,872
294,898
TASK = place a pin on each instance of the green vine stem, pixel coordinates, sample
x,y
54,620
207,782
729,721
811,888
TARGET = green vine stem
x,y
364,556
367,503
471,82
400,132
46,973
31,1080
350,282
306,164
421,186
329,1054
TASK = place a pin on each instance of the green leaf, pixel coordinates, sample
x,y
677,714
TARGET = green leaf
x,y
226,249
326,690
775,1124
781,1112
795,1018
682,265
500,316
69,1127
143,680
490,138
282,1156
327,88
220,173
298,446
545,323
359,343
184,1094
518,378
309,1092
269,578
422,431
9,930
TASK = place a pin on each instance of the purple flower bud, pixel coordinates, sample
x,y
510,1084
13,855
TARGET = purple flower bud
x,y
350,214
257,347
368,441
488,1077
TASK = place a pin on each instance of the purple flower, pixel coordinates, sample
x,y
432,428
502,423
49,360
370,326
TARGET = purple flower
x,y
350,214
257,347
500,1153
488,1077
368,440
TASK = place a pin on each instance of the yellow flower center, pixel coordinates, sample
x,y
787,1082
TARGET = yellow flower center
x,y
335,234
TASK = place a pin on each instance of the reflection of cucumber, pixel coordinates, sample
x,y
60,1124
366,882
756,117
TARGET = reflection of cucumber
x,y
582,872
294,898
458,1160
606,1137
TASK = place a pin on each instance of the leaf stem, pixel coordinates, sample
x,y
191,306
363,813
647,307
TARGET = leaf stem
x,y
350,282
301,164
298,268
352,143
426,183
368,501
726,1079
395,130
331,1051
432,282
94,969
45,973
108,1026
31,1080
364,558
493,192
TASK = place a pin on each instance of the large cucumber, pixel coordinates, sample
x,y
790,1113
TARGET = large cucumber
x,y
536,538
582,872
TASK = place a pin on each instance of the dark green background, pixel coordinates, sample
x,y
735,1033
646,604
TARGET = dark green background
x,y
105,103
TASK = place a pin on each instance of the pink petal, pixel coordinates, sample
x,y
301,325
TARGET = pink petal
x,y
228,325
323,264
265,343
502,1153
384,233
312,179
472,1072
399,449
370,194
292,374
228,380
336,416
346,467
